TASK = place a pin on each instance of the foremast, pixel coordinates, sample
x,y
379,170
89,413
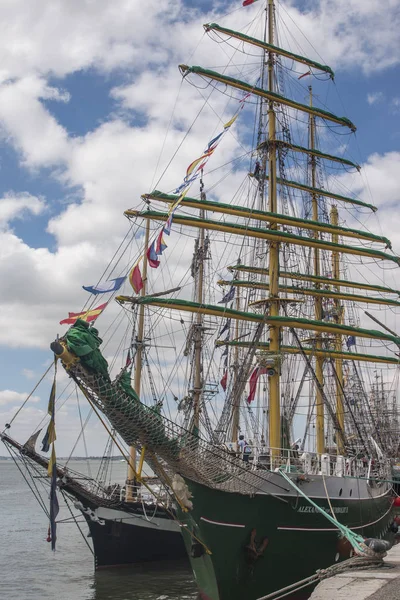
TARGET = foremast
x,y
137,382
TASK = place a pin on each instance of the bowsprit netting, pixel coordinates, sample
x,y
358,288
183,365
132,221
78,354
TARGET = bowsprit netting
x,y
170,449
169,446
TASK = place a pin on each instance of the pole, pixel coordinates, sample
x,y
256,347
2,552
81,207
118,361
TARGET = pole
x,y
236,398
319,361
338,340
132,470
274,380
198,332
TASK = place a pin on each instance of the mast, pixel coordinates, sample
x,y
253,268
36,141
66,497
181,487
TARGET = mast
x,y
275,331
138,365
319,360
338,339
198,327
236,399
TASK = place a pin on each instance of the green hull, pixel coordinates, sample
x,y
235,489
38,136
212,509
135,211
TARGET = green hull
x,y
300,540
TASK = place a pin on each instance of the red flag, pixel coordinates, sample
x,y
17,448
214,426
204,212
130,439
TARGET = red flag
x,y
135,278
152,255
224,380
86,315
128,359
160,243
253,382
304,75
248,2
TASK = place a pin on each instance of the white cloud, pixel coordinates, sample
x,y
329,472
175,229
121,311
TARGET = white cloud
x,y
17,205
60,38
28,373
349,33
375,97
395,104
12,397
112,165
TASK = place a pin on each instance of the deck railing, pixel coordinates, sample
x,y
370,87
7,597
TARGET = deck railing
x,y
294,460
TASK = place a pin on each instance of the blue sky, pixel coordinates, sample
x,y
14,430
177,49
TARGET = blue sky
x,y
86,92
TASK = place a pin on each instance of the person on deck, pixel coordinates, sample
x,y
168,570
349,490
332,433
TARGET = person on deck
x,y
244,448
241,443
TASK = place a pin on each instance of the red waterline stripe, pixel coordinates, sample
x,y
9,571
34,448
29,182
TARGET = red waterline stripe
x,y
203,596
220,523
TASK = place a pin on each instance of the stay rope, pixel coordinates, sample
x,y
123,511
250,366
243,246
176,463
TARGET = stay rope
x,y
354,538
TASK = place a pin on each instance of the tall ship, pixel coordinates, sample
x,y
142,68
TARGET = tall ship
x,y
121,531
129,523
268,425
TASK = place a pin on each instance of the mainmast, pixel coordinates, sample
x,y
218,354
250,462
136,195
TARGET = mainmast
x,y
275,330
236,399
319,360
138,366
338,340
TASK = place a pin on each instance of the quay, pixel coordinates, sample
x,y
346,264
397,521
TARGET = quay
x,y
380,583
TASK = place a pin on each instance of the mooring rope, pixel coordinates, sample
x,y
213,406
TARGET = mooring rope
x,y
354,538
356,562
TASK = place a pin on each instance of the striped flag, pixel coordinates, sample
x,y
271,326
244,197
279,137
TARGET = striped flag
x,y
152,256
160,244
86,315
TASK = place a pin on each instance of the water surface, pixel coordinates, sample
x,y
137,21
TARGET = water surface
x,y
31,571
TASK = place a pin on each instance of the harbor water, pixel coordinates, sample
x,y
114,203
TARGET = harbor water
x,y
31,571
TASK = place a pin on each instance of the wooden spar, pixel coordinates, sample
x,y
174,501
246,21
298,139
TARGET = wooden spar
x,y
267,47
302,186
273,97
325,353
261,215
132,470
319,361
198,332
316,292
273,234
339,381
275,331
318,154
324,280
272,321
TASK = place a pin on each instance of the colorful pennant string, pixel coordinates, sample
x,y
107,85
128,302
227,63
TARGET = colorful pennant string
x,y
158,245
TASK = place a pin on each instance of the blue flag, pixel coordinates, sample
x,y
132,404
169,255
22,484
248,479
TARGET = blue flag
x,y
54,506
108,286
228,297
225,327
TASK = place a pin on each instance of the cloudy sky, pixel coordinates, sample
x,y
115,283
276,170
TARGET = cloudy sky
x,y
87,90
